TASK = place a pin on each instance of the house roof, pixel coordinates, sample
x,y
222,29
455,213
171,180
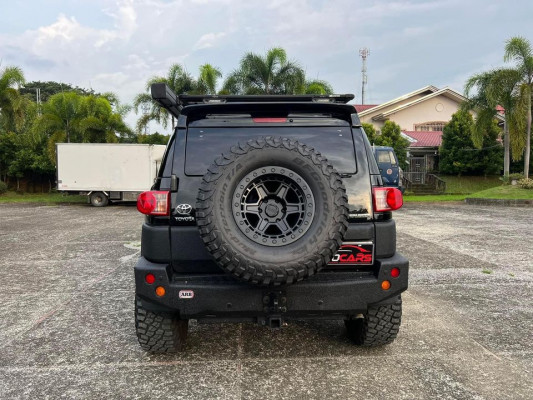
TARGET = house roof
x,y
424,138
429,88
452,94
427,92
363,107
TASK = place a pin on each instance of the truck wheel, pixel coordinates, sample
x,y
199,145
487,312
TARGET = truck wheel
x,y
99,199
159,332
272,211
379,326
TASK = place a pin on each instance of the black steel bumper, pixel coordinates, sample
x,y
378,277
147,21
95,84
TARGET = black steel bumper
x,y
329,294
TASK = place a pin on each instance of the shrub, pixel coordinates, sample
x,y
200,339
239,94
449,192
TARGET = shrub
x,y
3,187
516,176
526,183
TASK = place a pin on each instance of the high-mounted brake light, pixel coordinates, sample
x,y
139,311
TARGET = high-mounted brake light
x,y
154,203
387,199
269,120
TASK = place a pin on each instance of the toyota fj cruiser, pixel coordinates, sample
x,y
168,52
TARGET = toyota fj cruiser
x,y
266,209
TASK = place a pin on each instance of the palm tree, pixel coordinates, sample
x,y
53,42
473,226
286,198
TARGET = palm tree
x,y
318,87
519,50
269,74
61,116
494,88
207,80
11,101
99,123
178,80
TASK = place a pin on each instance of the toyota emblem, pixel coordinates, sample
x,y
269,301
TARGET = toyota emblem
x,y
184,209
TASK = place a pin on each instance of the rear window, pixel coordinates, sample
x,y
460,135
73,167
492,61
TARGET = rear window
x,y
386,157
204,144
383,157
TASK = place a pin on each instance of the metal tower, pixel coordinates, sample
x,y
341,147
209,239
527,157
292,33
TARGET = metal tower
x,y
364,53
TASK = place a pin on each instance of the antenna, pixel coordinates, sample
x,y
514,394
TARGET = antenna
x,y
364,53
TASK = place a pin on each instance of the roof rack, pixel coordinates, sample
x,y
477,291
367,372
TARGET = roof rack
x,y
167,99
186,99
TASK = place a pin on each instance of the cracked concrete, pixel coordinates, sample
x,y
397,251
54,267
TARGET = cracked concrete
x,y
67,331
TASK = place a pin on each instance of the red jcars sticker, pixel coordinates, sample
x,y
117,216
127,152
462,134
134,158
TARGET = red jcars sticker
x,y
354,253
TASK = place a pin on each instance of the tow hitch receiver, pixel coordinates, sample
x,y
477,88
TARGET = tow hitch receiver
x,y
274,305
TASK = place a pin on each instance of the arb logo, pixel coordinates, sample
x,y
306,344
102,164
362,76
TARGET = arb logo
x,y
186,294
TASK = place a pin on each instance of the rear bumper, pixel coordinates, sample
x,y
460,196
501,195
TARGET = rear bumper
x,y
333,295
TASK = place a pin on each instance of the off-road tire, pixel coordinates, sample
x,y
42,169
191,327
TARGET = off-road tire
x,y
250,261
379,326
99,199
159,332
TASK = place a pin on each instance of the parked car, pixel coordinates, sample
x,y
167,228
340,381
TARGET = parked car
x,y
267,209
388,165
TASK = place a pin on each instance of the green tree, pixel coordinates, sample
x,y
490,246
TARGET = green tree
x,y
207,79
494,88
318,87
268,74
49,88
519,49
391,135
12,103
61,116
179,80
99,123
154,138
459,156
370,132
8,149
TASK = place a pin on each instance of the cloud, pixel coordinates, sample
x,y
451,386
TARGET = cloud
x,y
120,44
208,40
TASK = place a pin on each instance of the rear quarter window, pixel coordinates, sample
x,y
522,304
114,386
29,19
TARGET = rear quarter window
x,y
206,144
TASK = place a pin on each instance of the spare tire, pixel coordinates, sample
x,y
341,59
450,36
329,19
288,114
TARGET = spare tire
x,y
272,211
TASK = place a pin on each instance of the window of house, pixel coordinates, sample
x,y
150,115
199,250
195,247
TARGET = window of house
x,y
431,126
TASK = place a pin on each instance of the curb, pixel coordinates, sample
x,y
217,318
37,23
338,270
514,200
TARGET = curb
x,y
500,202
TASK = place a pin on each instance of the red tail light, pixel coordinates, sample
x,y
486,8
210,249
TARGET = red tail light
x,y
387,199
154,203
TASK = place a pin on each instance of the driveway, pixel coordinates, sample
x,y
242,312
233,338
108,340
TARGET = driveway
x,y
67,331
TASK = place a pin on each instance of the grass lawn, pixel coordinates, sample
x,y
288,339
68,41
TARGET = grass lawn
x,y
433,197
499,192
469,184
49,198
504,192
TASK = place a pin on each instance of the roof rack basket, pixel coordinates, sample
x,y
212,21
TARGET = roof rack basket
x,y
167,99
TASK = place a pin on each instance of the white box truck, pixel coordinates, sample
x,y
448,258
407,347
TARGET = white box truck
x,y
107,171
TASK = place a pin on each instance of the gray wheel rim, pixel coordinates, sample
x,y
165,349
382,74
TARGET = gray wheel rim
x,y
273,206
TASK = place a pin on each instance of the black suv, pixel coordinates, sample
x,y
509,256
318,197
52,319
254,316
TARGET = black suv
x,y
265,209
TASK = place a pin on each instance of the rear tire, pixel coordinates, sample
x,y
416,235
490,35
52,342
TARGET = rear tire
x,y
99,199
379,326
272,211
159,332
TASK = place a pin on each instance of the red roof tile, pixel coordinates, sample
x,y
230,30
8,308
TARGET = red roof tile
x,y
363,107
425,138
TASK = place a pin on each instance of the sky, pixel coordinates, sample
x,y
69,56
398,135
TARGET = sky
x,y
117,45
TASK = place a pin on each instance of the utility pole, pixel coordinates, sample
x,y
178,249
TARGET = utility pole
x,y
146,109
364,53
38,98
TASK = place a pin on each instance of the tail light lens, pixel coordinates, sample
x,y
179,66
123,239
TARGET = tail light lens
x,y
154,203
387,199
